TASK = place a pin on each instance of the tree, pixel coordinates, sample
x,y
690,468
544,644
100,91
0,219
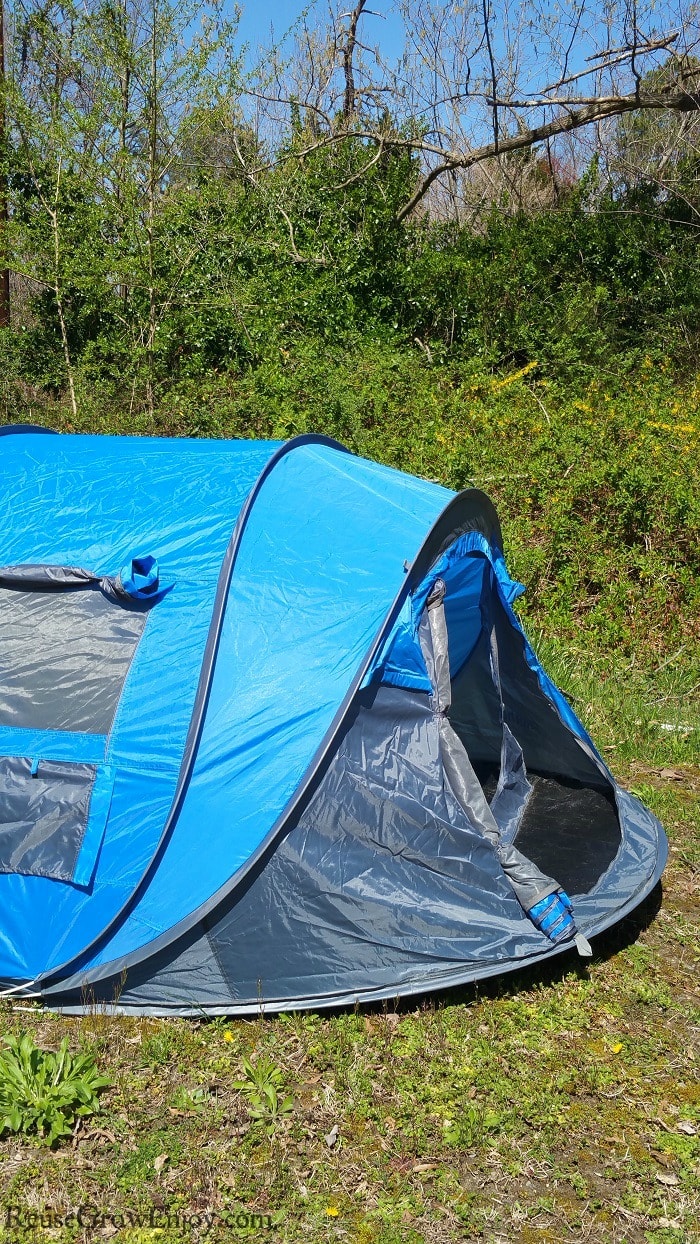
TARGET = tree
x,y
51,112
477,84
96,100
657,154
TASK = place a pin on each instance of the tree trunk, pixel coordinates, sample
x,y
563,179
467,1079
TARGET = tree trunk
x,y
4,217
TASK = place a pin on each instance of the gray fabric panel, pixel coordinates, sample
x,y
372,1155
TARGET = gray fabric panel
x,y
186,977
43,818
527,880
44,577
381,878
64,656
436,652
465,784
513,789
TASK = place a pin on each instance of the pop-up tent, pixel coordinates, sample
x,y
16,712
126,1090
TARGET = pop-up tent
x,y
271,735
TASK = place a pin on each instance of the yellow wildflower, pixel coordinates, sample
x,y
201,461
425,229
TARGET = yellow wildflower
x,y
517,375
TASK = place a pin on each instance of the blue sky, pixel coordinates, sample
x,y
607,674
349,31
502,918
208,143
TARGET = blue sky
x,y
257,18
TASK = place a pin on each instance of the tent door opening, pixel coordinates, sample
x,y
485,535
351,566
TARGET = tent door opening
x,y
546,796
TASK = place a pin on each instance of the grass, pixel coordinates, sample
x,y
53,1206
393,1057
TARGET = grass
x,y
557,1104
562,1103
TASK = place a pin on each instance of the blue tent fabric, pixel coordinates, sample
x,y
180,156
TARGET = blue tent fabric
x,y
98,501
270,815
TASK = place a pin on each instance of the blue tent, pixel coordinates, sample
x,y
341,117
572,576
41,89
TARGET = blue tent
x,y
271,735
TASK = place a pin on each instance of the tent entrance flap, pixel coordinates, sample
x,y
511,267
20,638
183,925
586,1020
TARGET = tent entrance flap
x,y
529,883
551,801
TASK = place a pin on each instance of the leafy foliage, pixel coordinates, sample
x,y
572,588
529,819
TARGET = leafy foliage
x,y
158,240
262,1085
575,289
44,1093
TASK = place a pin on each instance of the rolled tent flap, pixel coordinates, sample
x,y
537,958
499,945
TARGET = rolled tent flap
x,y
139,580
46,578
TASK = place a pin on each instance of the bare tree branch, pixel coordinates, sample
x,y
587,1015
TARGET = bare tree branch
x,y
568,121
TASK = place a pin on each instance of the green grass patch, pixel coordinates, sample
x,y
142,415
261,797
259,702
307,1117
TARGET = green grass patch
x,y
559,1103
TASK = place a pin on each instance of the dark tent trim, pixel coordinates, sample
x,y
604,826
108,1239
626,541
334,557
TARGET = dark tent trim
x,y
11,429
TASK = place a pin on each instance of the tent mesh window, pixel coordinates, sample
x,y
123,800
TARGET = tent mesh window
x,y
44,812
64,657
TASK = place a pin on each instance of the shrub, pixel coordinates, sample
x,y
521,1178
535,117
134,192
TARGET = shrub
x,y
44,1093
